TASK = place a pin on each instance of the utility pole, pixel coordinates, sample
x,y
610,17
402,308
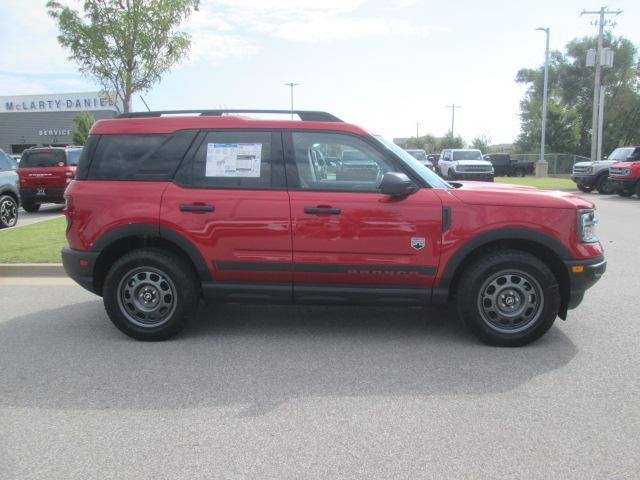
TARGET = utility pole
x,y
542,168
453,116
417,130
600,23
291,85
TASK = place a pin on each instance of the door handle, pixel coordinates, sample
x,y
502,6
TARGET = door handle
x,y
196,207
325,210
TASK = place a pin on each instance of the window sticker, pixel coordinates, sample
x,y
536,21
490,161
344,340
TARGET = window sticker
x,y
235,160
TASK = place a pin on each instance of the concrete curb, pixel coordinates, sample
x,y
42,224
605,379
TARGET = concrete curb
x,y
31,270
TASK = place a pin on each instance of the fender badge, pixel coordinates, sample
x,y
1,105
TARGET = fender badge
x,y
417,243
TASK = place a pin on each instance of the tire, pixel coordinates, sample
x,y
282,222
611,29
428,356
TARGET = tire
x,y
528,308
8,211
625,193
519,172
30,207
603,186
451,175
169,284
584,188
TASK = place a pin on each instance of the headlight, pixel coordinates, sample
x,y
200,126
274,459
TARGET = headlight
x,y
626,172
587,223
588,170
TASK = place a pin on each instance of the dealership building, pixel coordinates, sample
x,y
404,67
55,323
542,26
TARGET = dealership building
x,y
35,120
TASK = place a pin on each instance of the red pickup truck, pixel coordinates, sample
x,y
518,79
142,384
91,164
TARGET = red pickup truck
x,y
169,209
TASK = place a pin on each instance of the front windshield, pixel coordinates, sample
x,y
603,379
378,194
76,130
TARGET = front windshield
x,y
467,155
427,175
621,154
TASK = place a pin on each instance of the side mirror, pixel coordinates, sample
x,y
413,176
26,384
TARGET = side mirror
x,y
396,184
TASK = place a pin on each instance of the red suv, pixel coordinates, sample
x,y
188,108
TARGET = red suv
x,y
44,174
168,209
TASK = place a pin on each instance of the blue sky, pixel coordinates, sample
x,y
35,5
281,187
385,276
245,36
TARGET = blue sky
x,y
384,65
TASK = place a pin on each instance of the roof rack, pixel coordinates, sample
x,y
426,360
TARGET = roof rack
x,y
305,115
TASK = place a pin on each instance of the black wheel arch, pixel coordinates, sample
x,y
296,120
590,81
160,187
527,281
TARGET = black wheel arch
x,y
545,247
121,240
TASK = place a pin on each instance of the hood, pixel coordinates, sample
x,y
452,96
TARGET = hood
x,y
593,164
626,164
504,194
483,163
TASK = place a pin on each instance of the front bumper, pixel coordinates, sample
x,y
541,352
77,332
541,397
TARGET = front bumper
x,y
586,180
620,185
79,265
583,274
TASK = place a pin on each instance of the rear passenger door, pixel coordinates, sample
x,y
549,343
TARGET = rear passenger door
x,y
229,200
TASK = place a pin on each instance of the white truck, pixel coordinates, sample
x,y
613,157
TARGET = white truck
x,y
464,164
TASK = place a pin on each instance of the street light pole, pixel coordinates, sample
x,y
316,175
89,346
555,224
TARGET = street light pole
x,y
543,167
417,130
291,85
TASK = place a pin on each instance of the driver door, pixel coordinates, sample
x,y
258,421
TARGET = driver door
x,y
345,232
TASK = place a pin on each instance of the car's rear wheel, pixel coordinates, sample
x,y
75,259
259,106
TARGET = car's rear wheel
x,y
519,172
30,207
508,298
150,294
8,211
603,185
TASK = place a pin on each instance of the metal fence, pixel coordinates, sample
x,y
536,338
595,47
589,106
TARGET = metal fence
x,y
559,163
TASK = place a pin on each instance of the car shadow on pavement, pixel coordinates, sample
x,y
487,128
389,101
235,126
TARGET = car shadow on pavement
x,y
255,358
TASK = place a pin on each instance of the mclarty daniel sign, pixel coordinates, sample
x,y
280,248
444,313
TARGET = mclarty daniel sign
x,y
61,102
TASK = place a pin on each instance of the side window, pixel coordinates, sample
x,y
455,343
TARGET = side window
x,y
139,157
4,162
232,159
446,156
333,161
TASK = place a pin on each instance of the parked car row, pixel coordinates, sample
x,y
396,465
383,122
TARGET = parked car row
x,y
41,176
619,173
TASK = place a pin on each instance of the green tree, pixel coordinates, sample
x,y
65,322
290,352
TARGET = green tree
x,y
126,45
571,99
449,141
481,143
81,125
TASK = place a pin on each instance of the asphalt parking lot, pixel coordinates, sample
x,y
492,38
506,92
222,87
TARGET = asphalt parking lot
x,y
323,392
46,212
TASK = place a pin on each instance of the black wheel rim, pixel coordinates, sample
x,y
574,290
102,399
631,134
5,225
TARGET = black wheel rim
x,y
510,301
8,212
147,297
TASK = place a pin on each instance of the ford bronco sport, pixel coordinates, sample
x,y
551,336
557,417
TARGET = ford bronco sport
x,y
594,175
168,209
464,164
44,173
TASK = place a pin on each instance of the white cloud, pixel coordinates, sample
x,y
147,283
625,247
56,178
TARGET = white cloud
x,y
232,24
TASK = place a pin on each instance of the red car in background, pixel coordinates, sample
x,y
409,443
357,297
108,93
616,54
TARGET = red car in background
x,y
45,173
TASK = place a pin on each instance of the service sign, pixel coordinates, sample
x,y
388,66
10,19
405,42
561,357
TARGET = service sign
x,y
61,102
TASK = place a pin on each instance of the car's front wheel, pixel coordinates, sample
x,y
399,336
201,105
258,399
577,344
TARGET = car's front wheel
x,y
625,193
508,298
8,211
584,188
603,186
150,294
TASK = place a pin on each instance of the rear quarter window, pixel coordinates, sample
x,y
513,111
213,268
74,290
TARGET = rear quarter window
x,y
148,157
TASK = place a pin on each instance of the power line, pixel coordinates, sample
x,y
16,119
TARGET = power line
x,y
600,23
453,116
